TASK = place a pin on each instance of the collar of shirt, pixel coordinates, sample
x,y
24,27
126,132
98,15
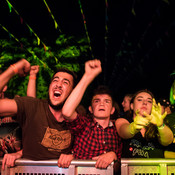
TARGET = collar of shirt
x,y
95,123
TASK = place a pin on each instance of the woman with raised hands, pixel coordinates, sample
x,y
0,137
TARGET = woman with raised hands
x,y
144,133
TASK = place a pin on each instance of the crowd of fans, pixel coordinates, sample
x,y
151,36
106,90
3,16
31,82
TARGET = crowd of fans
x,y
60,128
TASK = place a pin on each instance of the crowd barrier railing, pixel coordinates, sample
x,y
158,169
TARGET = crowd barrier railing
x,y
147,166
50,167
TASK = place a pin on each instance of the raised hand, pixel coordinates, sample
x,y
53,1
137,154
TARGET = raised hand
x,y
22,67
93,68
139,123
34,70
156,114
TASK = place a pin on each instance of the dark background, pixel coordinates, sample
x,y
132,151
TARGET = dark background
x,y
137,48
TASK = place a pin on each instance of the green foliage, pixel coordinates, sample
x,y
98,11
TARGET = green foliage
x,y
67,52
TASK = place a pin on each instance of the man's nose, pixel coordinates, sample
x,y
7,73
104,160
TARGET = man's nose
x,y
59,84
101,102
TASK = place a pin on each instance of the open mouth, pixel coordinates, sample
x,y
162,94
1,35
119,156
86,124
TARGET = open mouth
x,y
57,94
101,110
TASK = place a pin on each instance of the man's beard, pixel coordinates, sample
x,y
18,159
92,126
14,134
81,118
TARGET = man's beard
x,y
55,107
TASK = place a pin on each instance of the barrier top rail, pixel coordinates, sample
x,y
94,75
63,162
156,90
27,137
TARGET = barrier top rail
x,y
53,162
150,161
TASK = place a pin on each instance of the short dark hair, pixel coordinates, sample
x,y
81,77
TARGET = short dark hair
x,y
140,91
129,95
102,89
74,75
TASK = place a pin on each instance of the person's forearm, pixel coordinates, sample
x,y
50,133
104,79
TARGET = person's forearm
x,y
126,131
165,135
31,88
75,97
123,128
5,77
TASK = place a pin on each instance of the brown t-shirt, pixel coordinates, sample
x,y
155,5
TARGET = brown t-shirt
x,y
43,137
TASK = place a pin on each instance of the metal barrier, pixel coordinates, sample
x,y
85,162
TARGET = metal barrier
x,y
147,166
50,167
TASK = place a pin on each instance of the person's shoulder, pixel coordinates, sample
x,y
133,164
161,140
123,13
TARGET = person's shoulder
x,y
27,99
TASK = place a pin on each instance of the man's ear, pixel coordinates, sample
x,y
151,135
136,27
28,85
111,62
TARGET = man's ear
x,y
132,106
90,109
113,110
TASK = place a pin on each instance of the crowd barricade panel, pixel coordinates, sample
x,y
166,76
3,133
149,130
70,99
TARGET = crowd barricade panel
x,y
50,167
141,166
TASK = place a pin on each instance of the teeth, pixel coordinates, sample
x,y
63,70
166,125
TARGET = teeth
x,y
57,93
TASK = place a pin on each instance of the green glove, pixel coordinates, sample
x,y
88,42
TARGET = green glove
x,y
139,123
156,114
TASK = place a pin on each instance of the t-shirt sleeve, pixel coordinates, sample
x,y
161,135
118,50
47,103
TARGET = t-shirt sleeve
x,y
25,105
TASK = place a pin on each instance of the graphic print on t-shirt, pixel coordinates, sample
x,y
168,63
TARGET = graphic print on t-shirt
x,y
56,140
137,148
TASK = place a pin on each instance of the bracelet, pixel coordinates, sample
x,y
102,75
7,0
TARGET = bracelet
x,y
32,78
161,127
15,69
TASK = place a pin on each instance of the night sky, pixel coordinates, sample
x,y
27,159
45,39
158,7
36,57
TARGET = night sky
x,y
135,40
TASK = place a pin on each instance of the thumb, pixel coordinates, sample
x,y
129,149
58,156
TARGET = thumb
x,y
95,158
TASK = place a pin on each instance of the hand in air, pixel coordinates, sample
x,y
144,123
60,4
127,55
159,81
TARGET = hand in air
x,y
93,68
23,67
156,114
139,123
34,70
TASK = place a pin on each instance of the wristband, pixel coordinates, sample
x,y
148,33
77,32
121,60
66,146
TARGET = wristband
x,y
15,69
32,78
161,127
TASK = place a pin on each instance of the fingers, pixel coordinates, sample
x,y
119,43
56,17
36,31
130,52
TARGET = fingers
x,y
101,164
34,70
8,160
95,158
140,121
65,160
4,162
94,63
156,113
23,67
105,160
164,115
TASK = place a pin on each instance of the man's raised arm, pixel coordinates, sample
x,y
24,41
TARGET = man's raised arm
x,y
92,69
22,67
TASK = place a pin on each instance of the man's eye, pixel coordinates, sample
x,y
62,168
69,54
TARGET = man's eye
x,y
65,82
